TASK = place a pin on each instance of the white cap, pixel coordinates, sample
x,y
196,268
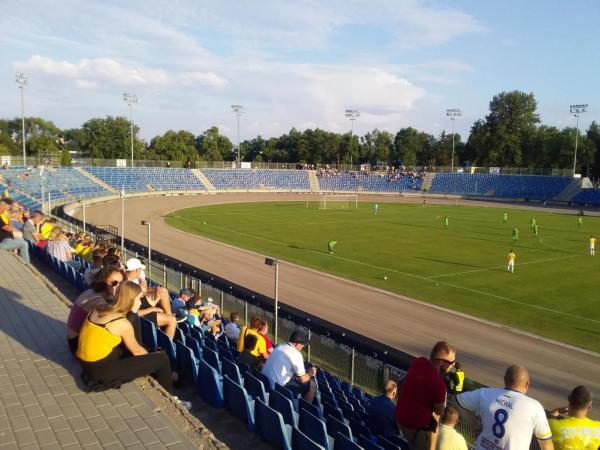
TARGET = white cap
x,y
134,264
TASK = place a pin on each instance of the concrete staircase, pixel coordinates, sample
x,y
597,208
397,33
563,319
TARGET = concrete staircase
x,y
429,176
570,191
314,181
96,180
203,179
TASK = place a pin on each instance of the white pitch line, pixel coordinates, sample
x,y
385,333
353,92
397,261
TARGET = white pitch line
x,y
503,266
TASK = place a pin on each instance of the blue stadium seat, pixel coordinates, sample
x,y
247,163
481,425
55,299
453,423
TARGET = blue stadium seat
x,y
343,443
271,427
196,346
393,442
285,391
311,408
367,444
179,336
315,429
167,345
359,429
300,441
210,385
211,357
149,338
187,363
255,387
230,369
263,378
238,402
244,369
285,407
337,426
331,410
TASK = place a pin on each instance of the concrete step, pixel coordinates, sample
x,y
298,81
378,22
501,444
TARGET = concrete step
x,y
96,180
314,181
203,179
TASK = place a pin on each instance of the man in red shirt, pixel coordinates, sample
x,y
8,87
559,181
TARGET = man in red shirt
x,y
423,396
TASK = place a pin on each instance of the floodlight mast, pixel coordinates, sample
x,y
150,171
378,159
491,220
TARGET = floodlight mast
x,y
21,80
238,111
577,110
453,113
352,115
130,99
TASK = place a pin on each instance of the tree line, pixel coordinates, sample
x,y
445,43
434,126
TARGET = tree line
x,y
510,135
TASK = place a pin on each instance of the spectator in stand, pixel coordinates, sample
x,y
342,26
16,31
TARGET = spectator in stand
x,y
508,417
47,227
85,247
97,263
382,412
156,305
571,428
285,366
448,437
246,357
102,290
32,226
11,239
232,329
423,395
109,353
180,302
455,379
264,331
59,247
261,346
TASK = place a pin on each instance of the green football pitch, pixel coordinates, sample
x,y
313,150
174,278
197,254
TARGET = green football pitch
x,y
554,292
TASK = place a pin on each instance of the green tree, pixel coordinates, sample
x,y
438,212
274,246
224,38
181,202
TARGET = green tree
x,y
110,138
407,144
174,146
212,146
65,158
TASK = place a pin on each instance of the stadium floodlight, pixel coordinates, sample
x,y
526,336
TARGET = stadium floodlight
x,y
82,203
577,110
275,263
130,99
148,224
21,80
453,113
238,111
352,115
122,195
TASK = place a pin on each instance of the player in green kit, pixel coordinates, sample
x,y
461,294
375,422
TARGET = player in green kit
x,y
330,246
533,224
515,235
505,218
579,221
535,230
446,223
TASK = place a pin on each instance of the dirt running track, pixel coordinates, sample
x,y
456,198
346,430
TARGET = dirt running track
x,y
485,349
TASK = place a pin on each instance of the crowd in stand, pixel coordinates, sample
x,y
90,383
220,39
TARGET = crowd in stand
x,y
392,174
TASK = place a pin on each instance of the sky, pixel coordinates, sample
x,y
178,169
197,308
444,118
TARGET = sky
x,y
297,63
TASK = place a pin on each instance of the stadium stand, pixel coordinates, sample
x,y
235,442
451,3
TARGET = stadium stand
x,y
360,181
499,186
233,179
587,197
142,179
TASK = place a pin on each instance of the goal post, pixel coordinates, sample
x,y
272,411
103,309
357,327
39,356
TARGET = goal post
x,y
338,201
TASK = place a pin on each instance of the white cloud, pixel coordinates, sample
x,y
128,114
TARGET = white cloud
x,y
203,79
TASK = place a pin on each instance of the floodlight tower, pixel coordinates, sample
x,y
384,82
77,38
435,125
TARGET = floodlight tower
x,y
130,99
352,115
238,111
577,110
22,82
453,113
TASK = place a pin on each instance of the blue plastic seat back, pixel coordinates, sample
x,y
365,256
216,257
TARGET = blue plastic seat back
x,y
187,363
263,378
195,333
358,429
367,444
209,343
336,426
167,345
149,338
284,406
236,400
396,440
255,387
313,409
209,385
211,357
343,443
300,441
244,369
387,445
313,427
196,346
179,336
270,425
231,370
285,391
331,410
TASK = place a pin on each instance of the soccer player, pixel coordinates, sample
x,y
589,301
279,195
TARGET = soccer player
x,y
505,218
330,246
579,221
375,208
535,230
515,235
533,224
446,223
592,245
511,261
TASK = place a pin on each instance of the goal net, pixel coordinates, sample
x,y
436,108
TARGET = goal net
x,y
338,201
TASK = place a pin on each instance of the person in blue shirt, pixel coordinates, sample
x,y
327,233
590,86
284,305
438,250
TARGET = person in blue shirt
x,y
179,302
382,412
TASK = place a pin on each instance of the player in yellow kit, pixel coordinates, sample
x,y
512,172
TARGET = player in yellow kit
x,y
592,245
511,261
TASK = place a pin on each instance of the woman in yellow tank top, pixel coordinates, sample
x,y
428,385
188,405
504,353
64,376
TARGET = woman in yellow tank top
x,y
108,350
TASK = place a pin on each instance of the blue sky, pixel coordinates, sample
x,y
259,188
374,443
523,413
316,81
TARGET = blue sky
x,y
297,63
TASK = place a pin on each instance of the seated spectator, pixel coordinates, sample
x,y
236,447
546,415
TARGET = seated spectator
x,y
448,437
382,412
261,346
156,304
203,317
180,302
246,357
264,331
232,329
571,427
286,367
46,228
11,239
59,247
108,351
102,290
32,226
97,263
85,247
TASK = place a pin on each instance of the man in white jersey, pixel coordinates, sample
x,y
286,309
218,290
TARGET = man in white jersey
x,y
508,417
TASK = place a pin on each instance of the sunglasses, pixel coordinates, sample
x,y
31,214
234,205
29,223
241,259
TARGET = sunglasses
x,y
450,363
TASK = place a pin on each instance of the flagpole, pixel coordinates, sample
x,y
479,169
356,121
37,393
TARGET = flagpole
x,y
123,222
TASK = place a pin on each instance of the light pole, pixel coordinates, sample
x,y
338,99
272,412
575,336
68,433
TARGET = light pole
x,y
83,213
123,222
453,113
149,225
238,111
130,99
22,82
577,110
275,263
352,115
